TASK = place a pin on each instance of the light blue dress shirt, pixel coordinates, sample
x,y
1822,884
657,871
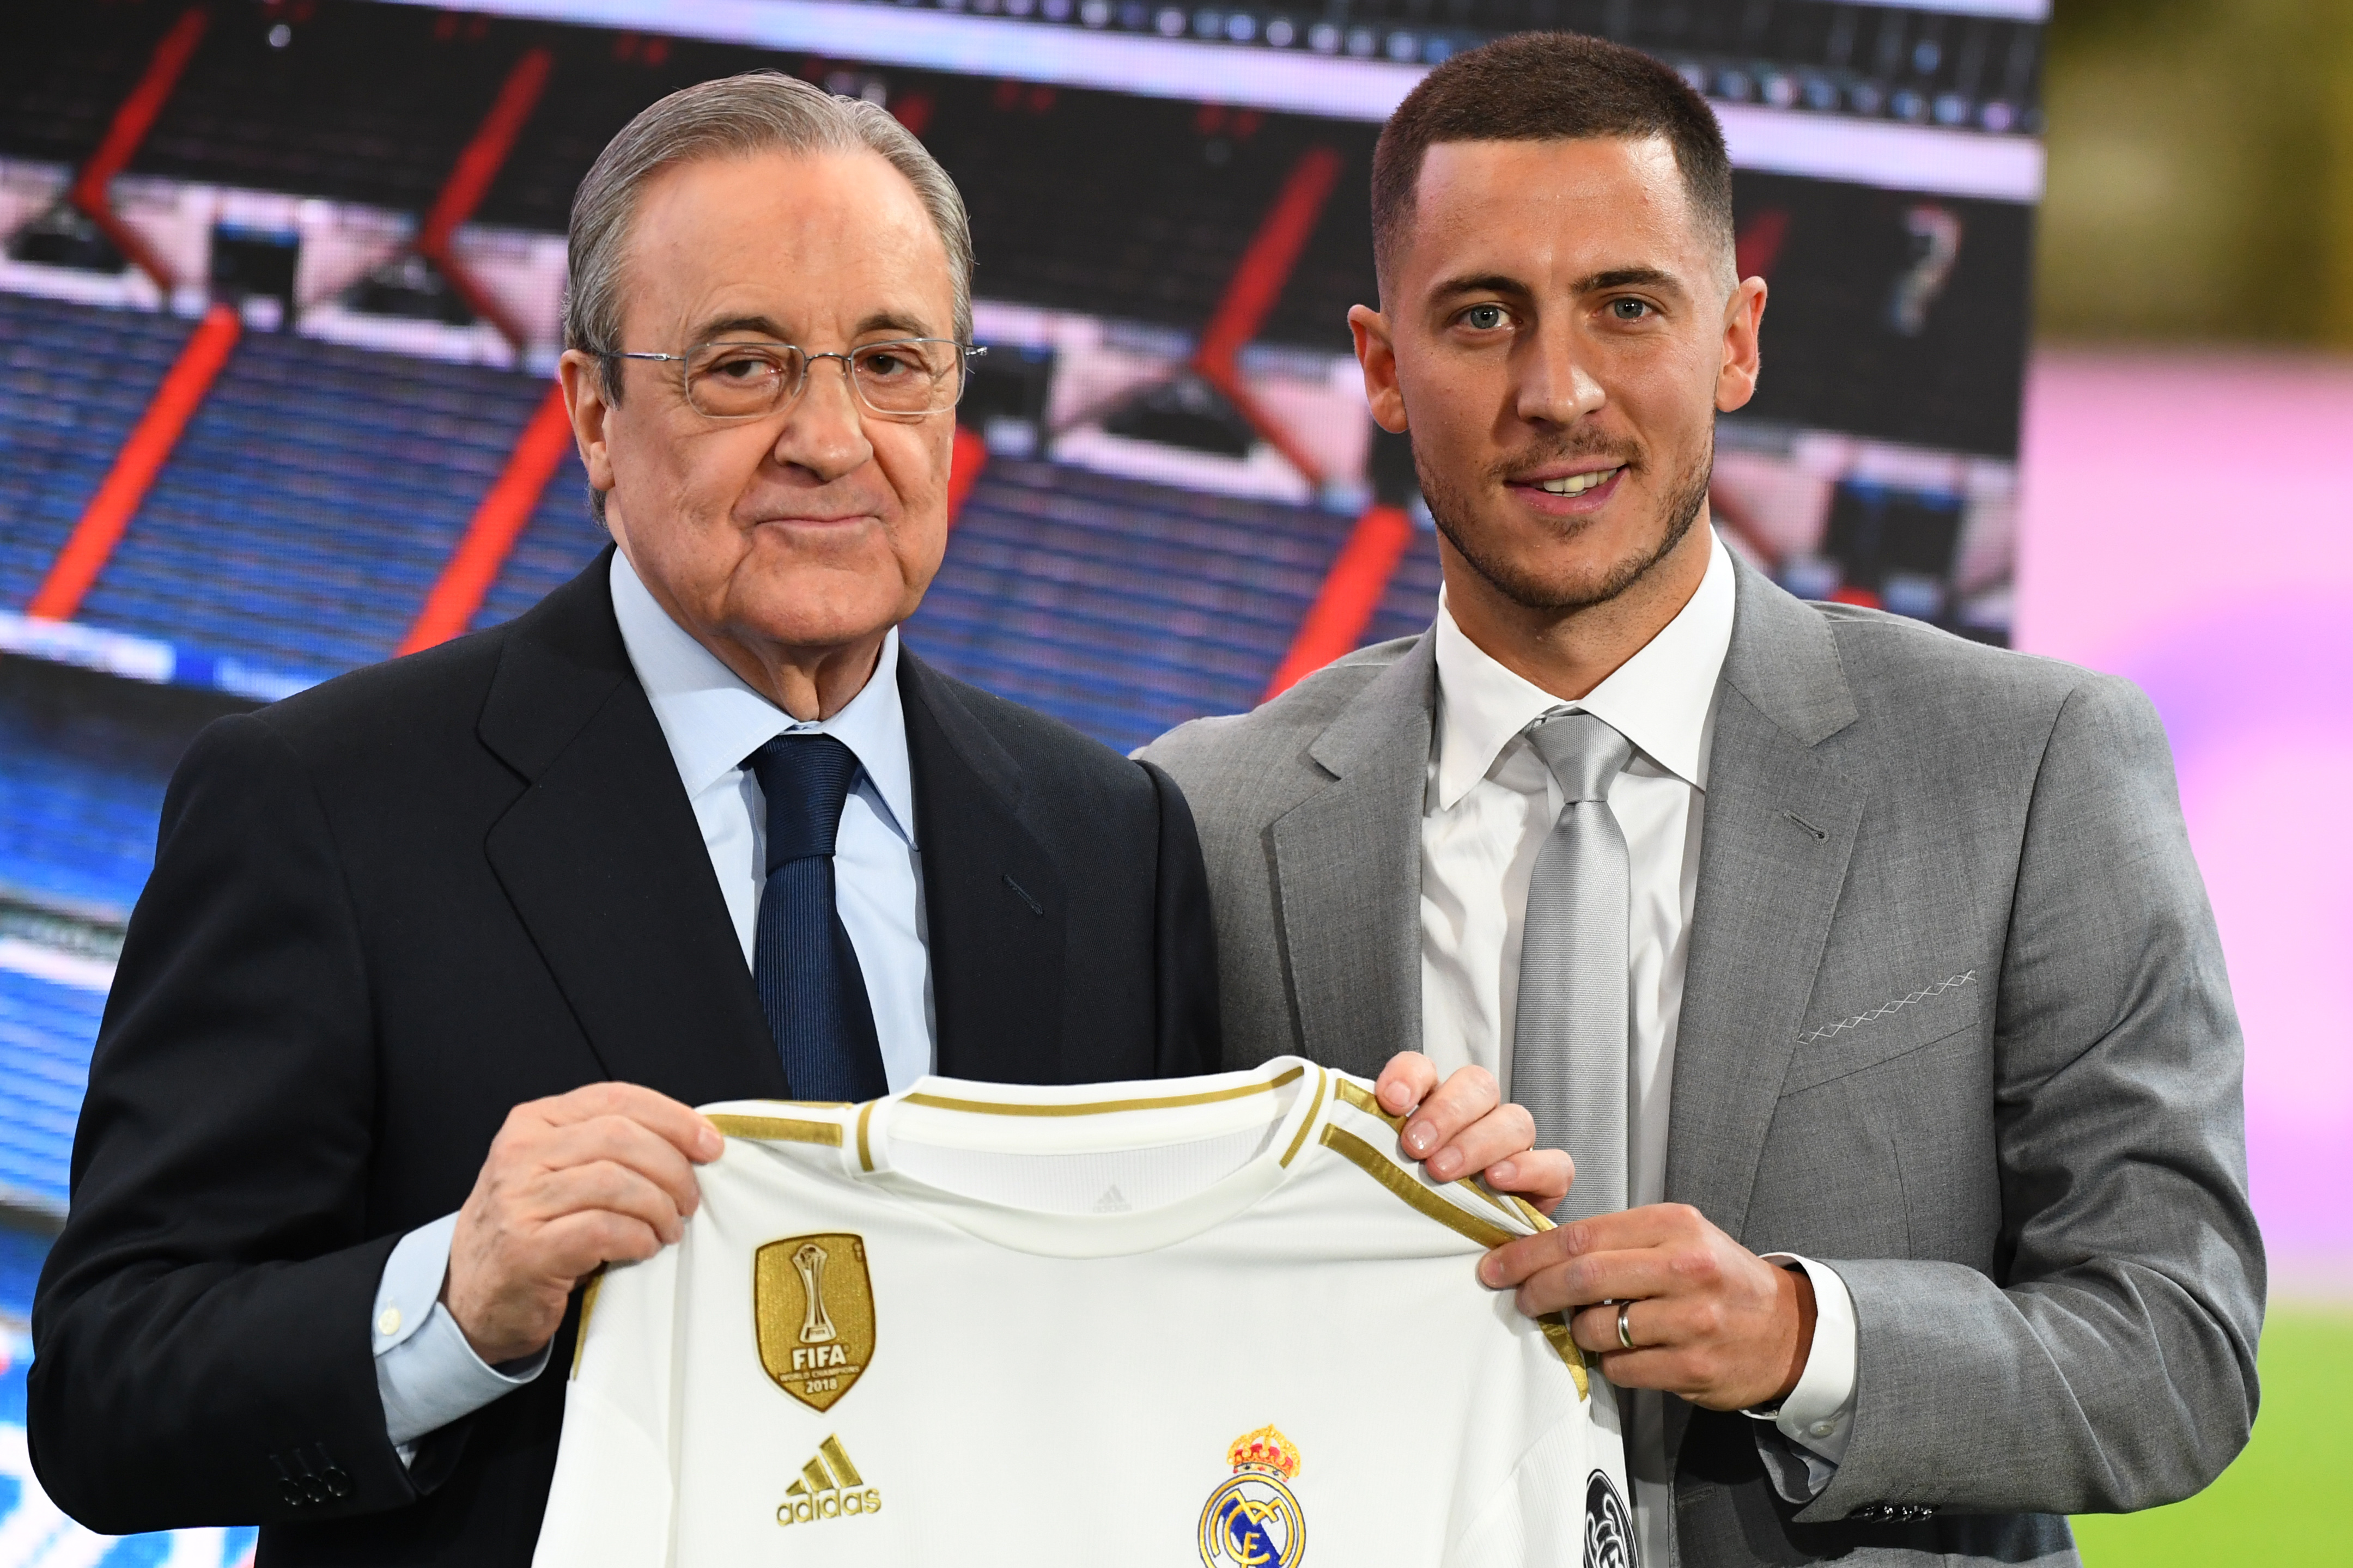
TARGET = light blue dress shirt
x,y
425,1373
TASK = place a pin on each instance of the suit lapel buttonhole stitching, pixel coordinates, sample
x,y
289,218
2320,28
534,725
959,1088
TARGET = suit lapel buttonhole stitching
x,y
1024,895
1820,836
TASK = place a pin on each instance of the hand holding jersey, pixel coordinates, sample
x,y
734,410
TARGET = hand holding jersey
x,y
1464,1127
604,1174
1669,1302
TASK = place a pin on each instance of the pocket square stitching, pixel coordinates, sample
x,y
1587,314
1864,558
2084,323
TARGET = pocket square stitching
x,y
1876,1013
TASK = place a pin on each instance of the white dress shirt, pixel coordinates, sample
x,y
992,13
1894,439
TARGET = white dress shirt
x,y
426,1375
712,722
1490,805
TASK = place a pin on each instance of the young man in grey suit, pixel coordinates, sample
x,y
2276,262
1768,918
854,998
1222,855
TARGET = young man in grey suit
x,y
1863,972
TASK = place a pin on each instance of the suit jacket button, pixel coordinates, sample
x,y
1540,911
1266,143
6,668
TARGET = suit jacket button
x,y
338,1483
291,1490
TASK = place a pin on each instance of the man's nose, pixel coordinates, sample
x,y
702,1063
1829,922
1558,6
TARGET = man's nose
x,y
1553,385
825,432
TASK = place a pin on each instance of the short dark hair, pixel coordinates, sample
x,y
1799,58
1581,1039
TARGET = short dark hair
x,y
1547,87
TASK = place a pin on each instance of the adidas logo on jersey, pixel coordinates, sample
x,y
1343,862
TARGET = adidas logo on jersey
x,y
829,1488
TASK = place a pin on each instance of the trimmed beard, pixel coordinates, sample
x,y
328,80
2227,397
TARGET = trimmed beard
x,y
1447,510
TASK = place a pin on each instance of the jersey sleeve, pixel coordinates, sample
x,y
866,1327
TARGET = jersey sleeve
x,y
611,1503
1358,1131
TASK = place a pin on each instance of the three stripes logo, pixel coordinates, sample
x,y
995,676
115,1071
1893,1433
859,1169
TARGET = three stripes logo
x,y
829,1488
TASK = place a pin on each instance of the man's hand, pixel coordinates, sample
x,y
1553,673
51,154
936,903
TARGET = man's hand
x,y
1710,1320
1462,1128
603,1175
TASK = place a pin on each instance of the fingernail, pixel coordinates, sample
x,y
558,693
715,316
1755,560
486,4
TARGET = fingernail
x,y
1502,1171
1445,1163
1418,1140
1487,1271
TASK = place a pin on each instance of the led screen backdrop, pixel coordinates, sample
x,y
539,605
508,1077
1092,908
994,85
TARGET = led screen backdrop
x,y
280,293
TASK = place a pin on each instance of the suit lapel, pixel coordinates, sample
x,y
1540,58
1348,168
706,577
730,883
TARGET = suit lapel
x,y
1348,873
605,867
994,910
1780,825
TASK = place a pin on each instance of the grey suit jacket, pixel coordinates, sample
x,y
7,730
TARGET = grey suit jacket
x,y
1955,1022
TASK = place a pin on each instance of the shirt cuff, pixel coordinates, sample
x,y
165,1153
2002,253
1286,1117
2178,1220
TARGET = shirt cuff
x,y
425,1373
1818,1415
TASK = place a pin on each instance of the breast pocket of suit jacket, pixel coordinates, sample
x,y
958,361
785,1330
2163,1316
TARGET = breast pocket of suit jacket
x,y
1854,1027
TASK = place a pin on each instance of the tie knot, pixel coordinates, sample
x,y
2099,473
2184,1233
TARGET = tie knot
x,y
1584,753
806,779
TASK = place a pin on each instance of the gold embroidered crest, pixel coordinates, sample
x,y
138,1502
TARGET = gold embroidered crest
x,y
813,1305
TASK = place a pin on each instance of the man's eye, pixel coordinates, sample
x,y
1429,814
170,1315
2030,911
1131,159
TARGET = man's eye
x,y
1629,309
1483,317
742,368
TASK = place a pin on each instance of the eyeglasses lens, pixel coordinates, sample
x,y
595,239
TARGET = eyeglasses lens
x,y
736,381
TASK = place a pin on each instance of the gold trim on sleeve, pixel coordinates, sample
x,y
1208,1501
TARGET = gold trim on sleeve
x,y
1370,1161
1347,1089
779,1129
1314,1105
1534,1215
1564,1343
1105,1107
587,1305
1362,1098
865,1154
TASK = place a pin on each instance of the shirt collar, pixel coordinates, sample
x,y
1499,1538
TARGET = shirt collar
x,y
1659,699
714,720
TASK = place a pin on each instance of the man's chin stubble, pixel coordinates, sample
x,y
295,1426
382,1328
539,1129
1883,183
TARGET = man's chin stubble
x,y
1531,592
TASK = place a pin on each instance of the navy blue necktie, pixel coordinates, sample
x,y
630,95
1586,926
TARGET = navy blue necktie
x,y
807,973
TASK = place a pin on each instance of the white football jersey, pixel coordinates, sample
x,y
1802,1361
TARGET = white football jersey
x,y
1218,1321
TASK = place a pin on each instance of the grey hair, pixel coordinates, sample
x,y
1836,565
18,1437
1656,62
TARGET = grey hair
x,y
759,111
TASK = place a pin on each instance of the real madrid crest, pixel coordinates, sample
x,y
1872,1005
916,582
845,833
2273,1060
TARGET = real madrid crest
x,y
1252,1520
813,1305
1608,1527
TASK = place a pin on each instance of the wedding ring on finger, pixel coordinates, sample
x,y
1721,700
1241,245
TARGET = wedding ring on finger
x,y
1625,1334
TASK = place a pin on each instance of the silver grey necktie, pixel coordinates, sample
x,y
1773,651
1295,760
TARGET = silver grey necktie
x,y
1569,1039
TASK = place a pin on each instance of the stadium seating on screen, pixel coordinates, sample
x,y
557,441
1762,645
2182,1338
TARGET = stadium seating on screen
x,y
312,503
1119,606
46,1030
73,378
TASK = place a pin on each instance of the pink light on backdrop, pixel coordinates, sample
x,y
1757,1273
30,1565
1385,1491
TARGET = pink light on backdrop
x,y
2188,522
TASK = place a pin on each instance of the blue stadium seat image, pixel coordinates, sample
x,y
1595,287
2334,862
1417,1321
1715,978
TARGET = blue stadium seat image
x,y
561,538
1120,606
74,835
1410,602
81,786
312,503
73,381
46,1033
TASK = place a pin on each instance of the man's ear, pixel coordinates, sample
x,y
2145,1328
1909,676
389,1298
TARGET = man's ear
x,y
1376,356
583,381
1744,356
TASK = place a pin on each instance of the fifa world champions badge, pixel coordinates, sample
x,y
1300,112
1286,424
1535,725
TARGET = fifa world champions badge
x,y
1253,1520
